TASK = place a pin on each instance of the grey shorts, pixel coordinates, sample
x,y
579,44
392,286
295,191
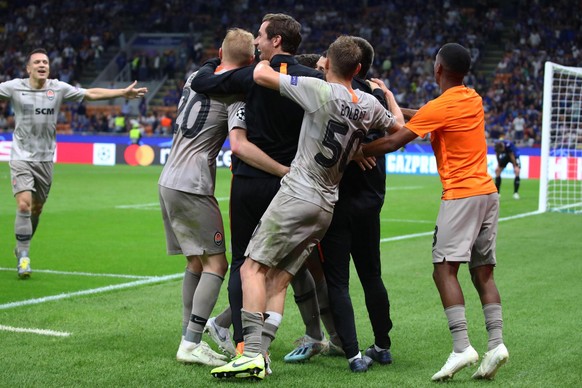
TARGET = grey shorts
x,y
287,233
466,230
35,177
193,223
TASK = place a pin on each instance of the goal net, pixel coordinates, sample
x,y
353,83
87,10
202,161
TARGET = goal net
x,y
561,152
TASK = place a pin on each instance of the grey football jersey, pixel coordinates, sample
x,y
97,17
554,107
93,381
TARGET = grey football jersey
x,y
334,123
36,112
201,128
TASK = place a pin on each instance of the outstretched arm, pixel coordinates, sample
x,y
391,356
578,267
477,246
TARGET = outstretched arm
x,y
391,102
394,108
129,92
408,113
264,75
390,143
232,82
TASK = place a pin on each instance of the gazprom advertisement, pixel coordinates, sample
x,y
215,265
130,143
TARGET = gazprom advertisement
x,y
416,158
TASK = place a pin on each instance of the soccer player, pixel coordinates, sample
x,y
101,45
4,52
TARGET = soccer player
x,y
273,124
466,226
320,65
506,152
336,119
309,60
36,102
355,231
192,218
310,290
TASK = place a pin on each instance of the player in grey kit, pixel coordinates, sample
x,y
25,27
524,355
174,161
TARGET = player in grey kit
x,y
36,102
191,214
336,119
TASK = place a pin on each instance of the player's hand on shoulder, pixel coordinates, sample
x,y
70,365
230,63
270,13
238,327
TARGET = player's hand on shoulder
x,y
213,61
372,85
379,84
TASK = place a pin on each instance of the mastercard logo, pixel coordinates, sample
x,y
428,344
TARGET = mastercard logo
x,y
139,155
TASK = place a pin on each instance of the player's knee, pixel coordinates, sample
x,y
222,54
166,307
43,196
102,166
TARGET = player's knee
x,y
445,270
216,264
251,268
481,275
24,207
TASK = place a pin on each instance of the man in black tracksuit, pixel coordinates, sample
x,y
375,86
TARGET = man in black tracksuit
x,y
355,230
273,124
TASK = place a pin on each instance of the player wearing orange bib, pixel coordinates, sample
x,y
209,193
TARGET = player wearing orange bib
x,y
466,227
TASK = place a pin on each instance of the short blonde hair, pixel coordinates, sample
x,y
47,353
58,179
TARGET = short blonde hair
x,y
238,47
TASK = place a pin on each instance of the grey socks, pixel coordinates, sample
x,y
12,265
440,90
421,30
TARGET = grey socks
x,y
205,298
458,327
494,324
189,285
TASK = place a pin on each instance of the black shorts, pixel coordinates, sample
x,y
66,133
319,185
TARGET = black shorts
x,y
249,198
505,160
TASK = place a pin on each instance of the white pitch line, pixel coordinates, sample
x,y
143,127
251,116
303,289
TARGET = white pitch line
x,y
396,188
408,236
566,207
179,275
34,331
405,237
515,217
407,221
110,275
156,205
66,295
139,206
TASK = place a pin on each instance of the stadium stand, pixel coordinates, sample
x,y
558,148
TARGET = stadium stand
x,y
540,32
509,43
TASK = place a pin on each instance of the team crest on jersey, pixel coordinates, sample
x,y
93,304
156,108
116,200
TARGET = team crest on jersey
x,y
218,238
50,94
240,114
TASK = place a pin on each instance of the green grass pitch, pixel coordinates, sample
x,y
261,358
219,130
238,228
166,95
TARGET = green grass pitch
x,y
124,329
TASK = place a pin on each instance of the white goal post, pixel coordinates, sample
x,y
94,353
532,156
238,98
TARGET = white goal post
x,y
561,152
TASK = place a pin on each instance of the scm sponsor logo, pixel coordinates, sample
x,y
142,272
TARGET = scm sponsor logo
x,y
44,111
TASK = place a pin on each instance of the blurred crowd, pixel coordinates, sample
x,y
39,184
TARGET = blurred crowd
x,y
405,36
541,31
